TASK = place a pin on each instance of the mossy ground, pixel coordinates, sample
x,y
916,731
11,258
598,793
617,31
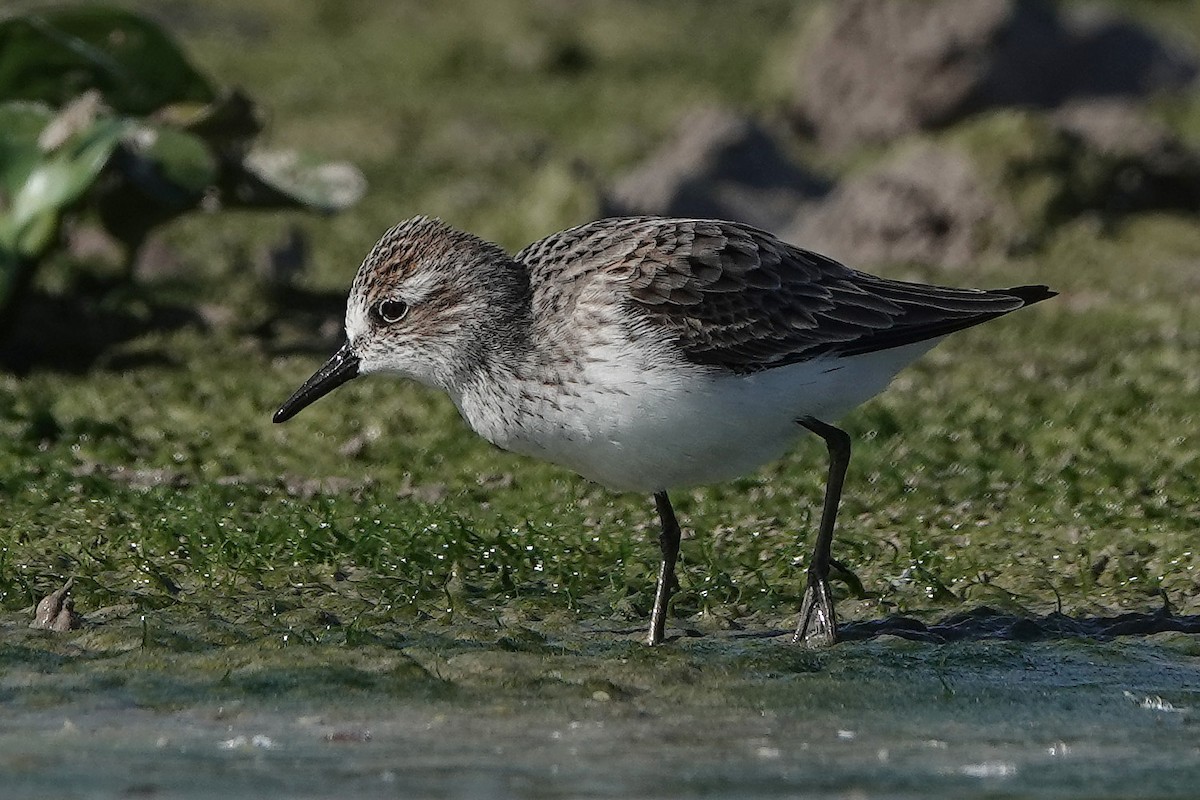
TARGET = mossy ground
x,y
1046,460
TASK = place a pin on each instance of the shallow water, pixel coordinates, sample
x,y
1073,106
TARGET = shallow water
x,y
604,717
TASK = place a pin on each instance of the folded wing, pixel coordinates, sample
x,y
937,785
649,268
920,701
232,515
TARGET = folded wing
x,y
738,298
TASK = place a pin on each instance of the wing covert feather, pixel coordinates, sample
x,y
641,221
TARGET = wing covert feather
x,y
738,298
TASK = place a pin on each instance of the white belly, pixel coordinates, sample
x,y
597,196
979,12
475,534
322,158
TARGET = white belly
x,y
654,429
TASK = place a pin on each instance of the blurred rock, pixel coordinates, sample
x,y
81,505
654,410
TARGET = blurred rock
x,y
719,165
422,492
91,243
1149,167
876,69
928,204
872,70
1103,158
1000,182
308,488
1108,55
136,478
357,445
217,316
56,611
157,260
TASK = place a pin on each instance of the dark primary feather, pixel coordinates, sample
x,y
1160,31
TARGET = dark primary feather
x,y
739,298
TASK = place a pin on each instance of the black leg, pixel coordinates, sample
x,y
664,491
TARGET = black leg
x,y
668,542
818,625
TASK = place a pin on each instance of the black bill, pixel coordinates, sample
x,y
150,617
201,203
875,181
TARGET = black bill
x,y
341,367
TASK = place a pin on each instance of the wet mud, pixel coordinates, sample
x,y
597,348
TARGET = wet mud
x,y
470,711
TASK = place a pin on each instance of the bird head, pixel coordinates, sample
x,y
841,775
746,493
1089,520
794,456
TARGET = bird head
x,y
429,303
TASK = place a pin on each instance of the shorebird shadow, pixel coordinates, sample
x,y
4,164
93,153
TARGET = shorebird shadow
x,y
988,623
72,334
304,321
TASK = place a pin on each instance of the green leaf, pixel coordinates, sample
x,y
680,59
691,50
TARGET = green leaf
x,y
20,126
286,178
39,187
56,55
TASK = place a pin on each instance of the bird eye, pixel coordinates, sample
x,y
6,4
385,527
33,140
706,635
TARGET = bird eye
x,y
390,311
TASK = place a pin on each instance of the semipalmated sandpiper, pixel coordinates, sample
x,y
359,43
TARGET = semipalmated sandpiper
x,y
647,353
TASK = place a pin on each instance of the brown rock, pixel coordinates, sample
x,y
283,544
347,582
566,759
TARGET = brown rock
x,y
157,259
1002,180
872,70
718,165
1107,55
137,478
882,68
1146,166
56,611
926,205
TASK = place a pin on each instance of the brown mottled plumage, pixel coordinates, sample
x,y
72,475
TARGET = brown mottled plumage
x,y
647,353
736,297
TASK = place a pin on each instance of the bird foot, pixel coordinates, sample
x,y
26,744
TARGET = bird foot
x,y
818,625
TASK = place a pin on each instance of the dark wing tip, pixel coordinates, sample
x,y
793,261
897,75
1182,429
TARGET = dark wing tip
x,y
1030,294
